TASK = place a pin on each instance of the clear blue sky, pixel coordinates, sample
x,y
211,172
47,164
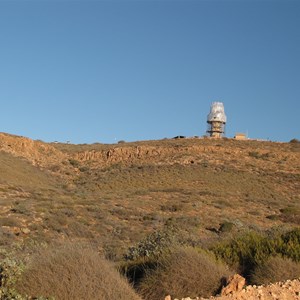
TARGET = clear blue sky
x,y
103,71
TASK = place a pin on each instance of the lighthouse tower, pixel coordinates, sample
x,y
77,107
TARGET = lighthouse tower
x,y
216,120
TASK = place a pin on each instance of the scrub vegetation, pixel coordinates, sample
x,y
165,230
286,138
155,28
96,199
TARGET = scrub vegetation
x,y
142,212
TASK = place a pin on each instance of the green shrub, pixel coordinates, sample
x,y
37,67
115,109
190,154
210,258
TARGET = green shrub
x,y
152,245
182,272
244,252
74,162
226,227
10,271
84,169
252,249
275,269
73,272
290,244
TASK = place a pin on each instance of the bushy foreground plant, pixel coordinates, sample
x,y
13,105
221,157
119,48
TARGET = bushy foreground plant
x,y
73,272
244,252
183,272
143,257
275,269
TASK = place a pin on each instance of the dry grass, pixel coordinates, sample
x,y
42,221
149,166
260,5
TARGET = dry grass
x,y
276,269
73,272
9,222
118,203
208,189
19,173
184,271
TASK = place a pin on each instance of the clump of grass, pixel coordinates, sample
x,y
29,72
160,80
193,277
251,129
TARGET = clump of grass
x,y
84,169
257,155
184,271
6,236
20,208
226,227
290,214
9,221
275,269
75,163
73,272
171,207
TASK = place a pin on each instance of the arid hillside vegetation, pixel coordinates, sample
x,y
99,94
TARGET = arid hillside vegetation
x,y
126,198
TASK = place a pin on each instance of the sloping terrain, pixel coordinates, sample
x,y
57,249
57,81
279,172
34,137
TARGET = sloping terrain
x,y
114,195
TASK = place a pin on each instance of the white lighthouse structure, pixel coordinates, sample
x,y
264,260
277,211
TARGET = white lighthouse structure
x,y
216,120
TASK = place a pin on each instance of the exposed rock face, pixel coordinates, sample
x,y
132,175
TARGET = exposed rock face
x,y
235,283
194,152
38,153
228,153
288,290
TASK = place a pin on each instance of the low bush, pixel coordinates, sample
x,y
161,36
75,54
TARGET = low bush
x,y
10,271
136,270
171,207
290,214
6,236
9,222
252,249
290,244
257,155
244,252
73,272
275,269
21,208
226,227
152,245
181,272
75,163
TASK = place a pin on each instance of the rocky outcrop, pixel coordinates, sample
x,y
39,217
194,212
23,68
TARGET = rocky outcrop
x,y
235,283
288,290
223,153
191,152
37,152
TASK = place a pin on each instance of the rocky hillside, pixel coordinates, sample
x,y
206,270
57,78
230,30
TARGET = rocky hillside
x,y
121,192
36,152
229,152
127,199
